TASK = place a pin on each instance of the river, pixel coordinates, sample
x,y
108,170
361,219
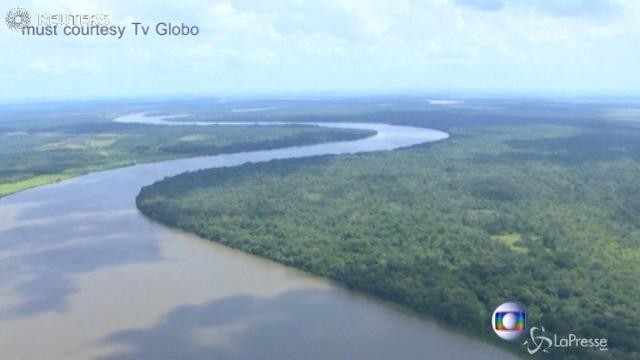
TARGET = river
x,y
83,275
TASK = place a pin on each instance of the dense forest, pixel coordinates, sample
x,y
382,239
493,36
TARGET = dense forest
x,y
539,208
39,151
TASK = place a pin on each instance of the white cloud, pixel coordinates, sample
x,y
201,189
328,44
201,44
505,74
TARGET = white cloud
x,y
280,45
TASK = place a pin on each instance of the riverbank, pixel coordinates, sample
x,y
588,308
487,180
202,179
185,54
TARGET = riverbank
x,y
45,157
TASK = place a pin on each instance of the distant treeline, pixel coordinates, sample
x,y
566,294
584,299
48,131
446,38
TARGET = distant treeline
x,y
48,151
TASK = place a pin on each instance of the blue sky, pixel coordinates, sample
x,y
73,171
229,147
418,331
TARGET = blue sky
x,y
332,46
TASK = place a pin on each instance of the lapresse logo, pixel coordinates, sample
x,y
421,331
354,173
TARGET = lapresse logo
x,y
509,321
538,341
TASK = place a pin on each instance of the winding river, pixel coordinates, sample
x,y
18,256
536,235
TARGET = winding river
x,y
83,275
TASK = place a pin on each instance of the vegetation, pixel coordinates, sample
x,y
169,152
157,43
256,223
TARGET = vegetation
x,y
535,207
32,154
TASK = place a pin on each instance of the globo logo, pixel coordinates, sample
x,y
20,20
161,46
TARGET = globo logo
x,y
509,321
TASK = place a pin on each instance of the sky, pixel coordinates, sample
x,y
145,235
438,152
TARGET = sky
x,y
263,47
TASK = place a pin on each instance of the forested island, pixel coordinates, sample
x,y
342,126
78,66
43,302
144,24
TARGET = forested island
x,y
539,205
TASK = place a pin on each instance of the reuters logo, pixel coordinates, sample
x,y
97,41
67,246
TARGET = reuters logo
x,y
17,19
